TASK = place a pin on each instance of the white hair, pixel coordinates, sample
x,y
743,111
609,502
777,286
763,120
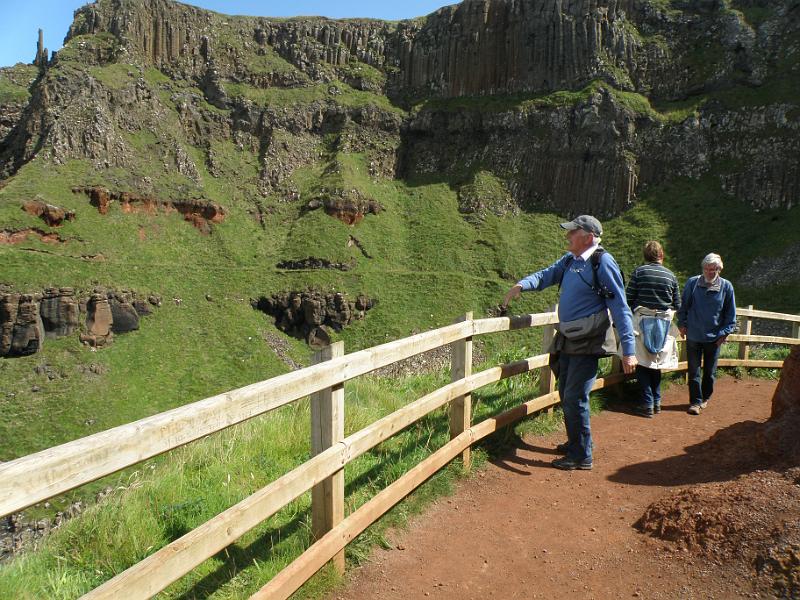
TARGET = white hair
x,y
712,259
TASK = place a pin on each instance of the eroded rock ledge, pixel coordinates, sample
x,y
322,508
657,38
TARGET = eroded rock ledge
x,y
26,320
307,315
200,213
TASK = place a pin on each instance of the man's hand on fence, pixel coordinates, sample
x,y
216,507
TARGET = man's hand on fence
x,y
629,364
683,331
514,292
722,340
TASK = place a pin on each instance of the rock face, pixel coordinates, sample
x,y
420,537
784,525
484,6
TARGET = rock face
x,y
26,320
305,315
21,328
590,147
60,311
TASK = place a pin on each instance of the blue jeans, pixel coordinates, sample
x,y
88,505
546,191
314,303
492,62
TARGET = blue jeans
x,y
650,385
701,390
576,376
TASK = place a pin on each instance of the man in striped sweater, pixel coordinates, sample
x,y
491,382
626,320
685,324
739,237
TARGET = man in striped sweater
x,y
654,288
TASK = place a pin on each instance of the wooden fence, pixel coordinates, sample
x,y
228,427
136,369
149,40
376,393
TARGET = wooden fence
x,y
39,476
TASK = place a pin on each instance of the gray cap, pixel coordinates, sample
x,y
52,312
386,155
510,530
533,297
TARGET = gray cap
x,y
587,223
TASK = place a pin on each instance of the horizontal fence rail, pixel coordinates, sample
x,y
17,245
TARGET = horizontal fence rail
x,y
48,473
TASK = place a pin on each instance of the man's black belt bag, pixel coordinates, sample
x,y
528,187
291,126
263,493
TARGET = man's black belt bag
x,y
592,335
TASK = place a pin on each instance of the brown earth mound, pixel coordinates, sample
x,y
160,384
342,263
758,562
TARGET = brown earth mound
x,y
753,520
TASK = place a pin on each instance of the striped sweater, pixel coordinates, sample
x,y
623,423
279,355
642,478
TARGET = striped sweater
x,y
653,286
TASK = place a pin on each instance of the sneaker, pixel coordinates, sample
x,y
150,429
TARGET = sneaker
x,y
562,448
643,411
568,464
703,404
657,409
694,409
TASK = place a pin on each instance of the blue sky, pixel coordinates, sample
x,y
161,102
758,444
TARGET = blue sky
x,y
20,20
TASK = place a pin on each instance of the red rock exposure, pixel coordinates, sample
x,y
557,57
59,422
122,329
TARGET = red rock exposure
x,y
200,213
53,215
17,236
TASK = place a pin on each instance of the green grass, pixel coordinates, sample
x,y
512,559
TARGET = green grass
x,y
15,83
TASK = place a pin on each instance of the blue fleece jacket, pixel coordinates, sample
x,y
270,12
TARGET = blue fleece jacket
x,y
707,315
579,300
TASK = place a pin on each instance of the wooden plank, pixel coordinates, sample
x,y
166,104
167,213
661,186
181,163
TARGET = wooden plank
x,y
171,562
496,324
735,362
56,470
547,381
461,407
747,325
796,330
763,339
763,314
327,429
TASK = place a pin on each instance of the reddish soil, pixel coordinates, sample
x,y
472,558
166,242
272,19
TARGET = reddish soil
x,y
17,236
677,506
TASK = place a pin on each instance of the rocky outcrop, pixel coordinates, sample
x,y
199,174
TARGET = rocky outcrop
x,y
306,315
313,263
349,206
200,213
53,215
26,320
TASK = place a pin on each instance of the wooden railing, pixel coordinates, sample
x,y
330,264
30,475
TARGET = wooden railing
x,y
39,476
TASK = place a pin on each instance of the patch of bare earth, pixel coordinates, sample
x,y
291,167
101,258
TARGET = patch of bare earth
x,y
677,506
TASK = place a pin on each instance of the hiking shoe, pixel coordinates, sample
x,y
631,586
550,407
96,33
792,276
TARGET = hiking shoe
x,y
694,409
657,409
643,411
703,404
562,448
568,464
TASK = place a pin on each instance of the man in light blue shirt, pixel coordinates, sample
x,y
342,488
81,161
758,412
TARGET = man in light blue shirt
x,y
591,286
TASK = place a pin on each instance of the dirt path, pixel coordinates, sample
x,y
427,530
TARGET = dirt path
x,y
522,529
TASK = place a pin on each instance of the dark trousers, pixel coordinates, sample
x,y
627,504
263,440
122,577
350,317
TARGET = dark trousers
x,y
700,390
650,386
576,377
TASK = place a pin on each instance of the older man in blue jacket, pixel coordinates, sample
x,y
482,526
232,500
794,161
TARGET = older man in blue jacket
x,y
706,318
591,286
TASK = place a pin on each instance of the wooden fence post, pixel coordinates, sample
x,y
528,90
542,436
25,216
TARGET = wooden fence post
x,y
327,429
796,329
747,324
461,407
547,381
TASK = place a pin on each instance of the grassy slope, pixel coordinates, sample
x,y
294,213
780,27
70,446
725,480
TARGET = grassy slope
x,y
429,265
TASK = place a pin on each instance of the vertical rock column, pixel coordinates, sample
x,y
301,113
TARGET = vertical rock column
x,y
60,312
28,331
